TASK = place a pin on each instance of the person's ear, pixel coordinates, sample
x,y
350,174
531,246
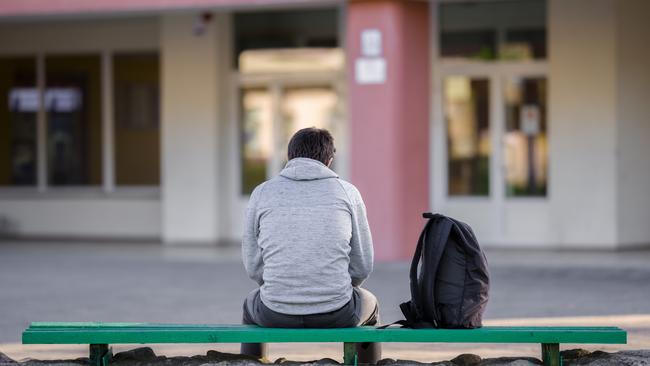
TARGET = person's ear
x,y
329,163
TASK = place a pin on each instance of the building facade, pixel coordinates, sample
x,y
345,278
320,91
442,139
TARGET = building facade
x,y
150,120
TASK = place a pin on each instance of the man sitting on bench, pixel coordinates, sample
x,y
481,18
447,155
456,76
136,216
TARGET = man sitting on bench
x,y
308,245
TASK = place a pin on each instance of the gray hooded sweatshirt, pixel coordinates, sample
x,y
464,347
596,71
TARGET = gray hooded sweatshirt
x,y
306,239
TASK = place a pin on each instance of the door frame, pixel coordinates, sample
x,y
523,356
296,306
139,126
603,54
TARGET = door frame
x,y
496,202
276,82
495,73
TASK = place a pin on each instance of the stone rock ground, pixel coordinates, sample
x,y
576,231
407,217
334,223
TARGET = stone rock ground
x,y
145,356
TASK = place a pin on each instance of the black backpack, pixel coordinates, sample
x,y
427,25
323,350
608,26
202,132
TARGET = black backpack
x,y
449,277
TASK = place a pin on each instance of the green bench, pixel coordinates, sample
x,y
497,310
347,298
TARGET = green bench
x,y
100,335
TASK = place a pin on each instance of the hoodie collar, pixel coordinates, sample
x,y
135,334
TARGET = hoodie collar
x,y
307,169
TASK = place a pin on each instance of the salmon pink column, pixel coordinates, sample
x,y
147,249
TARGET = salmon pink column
x,y
388,50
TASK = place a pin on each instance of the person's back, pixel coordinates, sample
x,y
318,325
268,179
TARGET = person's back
x,y
307,243
313,248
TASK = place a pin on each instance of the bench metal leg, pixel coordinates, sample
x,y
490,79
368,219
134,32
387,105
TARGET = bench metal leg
x,y
551,354
349,353
100,354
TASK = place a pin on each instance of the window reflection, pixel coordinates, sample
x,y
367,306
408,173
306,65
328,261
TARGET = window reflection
x,y
278,30
474,44
468,135
307,107
299,107
257,136
18,106
73,106
526,149
524,44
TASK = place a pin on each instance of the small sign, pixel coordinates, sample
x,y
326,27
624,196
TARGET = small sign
x,y
530,119
371,42
370,70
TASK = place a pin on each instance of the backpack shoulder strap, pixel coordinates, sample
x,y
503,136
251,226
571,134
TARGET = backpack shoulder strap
x,y
411,309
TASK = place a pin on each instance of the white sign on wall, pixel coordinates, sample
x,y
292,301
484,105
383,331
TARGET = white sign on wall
x,y
371,42
370,68
530,119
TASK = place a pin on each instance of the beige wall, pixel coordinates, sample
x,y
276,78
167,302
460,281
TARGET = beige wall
x,y
189,133
83,215
633,138
582,129
600,122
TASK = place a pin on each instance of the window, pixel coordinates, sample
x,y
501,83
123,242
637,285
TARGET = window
x,y
478,44
136,88
257,137
524,44
525,141
265,139
18,107
493,30
468,135
71,152
73,106
280,29
304,107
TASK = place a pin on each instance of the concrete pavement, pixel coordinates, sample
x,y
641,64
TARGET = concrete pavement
x,y
152,283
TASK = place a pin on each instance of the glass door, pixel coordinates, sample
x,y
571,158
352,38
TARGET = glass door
x,y
256,136
465,147
467,122
525,142
267,110
271,113
306,106
490,150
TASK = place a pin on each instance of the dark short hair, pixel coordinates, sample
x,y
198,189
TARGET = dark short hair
x,y
313,143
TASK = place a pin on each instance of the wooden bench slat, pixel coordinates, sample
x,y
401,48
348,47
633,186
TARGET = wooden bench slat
x,y
116,333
